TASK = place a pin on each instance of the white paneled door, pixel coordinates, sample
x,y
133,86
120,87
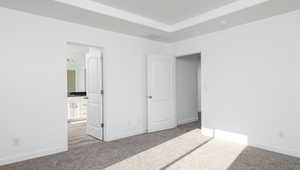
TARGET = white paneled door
x,y
94,88
161,92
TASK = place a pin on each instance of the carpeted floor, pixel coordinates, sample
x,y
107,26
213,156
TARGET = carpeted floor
x,y
182,148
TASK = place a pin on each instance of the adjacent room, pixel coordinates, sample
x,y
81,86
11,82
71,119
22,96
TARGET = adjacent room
x,y
150,84
188,88
81,117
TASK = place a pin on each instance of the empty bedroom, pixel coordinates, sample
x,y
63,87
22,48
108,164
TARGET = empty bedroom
x,y
150,84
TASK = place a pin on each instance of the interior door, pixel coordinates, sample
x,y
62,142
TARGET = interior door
x,y
94,88
161,92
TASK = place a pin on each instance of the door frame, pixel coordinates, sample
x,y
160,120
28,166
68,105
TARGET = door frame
x,y
200,64
146,78
102,83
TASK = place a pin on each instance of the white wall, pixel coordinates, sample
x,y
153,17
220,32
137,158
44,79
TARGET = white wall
x,y
250,84
33,83
187,68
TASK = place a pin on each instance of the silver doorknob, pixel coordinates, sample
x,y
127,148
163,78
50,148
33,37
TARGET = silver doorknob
x,y
149,97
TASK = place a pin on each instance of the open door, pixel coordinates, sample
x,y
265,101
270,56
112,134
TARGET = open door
x,y
94,93
161,92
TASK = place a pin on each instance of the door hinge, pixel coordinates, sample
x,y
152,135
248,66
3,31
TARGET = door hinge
x,y
102,125
102,91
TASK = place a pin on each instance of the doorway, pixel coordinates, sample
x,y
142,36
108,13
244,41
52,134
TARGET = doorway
x,y
188,88
84,68
173,91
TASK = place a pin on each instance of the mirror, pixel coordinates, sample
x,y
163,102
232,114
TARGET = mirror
x,y
76,70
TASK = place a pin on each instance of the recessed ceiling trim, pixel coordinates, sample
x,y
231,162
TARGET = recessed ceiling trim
x,y
227,9
121,14
117,13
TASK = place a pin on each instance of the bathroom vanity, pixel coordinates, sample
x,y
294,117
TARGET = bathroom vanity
x,y
77,108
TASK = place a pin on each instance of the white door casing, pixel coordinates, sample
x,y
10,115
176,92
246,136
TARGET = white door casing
x,y
94,88
161,92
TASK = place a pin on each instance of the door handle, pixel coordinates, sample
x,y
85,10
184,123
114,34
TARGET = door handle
x,y
149,97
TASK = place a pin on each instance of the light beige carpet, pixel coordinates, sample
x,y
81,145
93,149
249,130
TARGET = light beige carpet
x,y
188,151
181,148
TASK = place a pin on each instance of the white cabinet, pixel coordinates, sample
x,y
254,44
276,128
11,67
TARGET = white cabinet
x,y
77,108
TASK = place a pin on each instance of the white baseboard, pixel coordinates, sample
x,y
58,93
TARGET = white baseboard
x,y
278,150
185,121
31,155
224,135
242,139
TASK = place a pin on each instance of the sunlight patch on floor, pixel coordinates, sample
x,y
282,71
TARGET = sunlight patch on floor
x,y
215,155
188,151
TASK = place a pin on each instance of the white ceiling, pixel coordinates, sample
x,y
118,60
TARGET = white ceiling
x,y
94,14
166,11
